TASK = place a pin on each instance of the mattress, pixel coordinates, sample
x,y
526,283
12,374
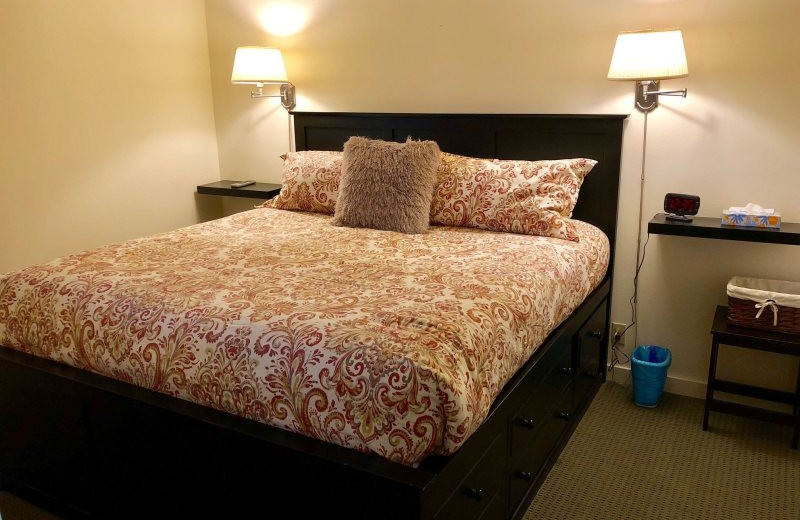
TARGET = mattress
x,y
378,341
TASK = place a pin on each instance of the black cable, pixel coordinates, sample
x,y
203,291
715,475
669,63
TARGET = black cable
x,y
615,351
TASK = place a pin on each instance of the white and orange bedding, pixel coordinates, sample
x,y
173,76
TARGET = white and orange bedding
x,y
383,342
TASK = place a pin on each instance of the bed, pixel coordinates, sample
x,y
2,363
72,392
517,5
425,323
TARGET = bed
x,y
384,375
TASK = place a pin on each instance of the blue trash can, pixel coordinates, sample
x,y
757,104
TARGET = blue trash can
x,y
649,365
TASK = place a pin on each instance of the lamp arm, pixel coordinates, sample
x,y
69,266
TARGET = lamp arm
x,y
287,94
681,93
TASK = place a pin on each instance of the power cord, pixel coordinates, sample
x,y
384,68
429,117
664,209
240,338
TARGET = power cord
x,y
616,348
616,351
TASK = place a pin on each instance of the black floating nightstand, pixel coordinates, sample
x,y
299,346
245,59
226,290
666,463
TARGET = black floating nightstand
x,y
706,227
259,190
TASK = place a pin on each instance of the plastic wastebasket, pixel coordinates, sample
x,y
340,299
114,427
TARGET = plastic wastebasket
x,y
649,364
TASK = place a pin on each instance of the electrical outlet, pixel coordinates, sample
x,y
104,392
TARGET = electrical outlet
x,y
616,331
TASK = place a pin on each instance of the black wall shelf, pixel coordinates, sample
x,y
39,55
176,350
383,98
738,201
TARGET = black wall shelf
x,y
259,190
707,227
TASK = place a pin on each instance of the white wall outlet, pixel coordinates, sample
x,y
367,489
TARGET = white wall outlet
x,y
616,330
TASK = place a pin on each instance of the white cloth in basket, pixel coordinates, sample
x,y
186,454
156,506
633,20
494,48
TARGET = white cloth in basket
x,y
758,290
766,294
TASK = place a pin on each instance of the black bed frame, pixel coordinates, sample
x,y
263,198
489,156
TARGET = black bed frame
x,y
86,446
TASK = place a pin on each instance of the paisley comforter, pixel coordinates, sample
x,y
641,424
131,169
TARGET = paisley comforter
x,y
379,341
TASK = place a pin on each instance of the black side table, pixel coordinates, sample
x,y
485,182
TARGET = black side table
x,y
259,190
724,333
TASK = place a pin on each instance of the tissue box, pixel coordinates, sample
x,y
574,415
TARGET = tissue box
x,y
743,219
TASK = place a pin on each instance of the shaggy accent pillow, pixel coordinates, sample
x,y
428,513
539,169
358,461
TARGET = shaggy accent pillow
x,y
387,185
310,182
528,197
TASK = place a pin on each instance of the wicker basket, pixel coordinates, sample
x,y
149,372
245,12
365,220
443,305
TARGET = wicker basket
x,y
764,304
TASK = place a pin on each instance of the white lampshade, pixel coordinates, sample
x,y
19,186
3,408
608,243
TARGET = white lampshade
x,y
258,65
653,55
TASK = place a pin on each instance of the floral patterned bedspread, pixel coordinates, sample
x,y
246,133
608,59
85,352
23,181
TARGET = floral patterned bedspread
x,y
379,341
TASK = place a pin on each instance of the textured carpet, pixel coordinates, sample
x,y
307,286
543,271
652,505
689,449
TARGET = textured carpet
x,y
626,462
14,508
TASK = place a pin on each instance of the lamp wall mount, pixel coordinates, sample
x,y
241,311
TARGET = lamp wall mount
x,y
287,94
647,93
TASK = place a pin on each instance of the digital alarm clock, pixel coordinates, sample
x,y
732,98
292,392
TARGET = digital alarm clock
x,y
678,206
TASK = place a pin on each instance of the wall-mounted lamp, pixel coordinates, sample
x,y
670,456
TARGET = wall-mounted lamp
x,y
648,57
260,65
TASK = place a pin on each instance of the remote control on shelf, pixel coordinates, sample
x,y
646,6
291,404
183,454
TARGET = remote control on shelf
x,y
242,184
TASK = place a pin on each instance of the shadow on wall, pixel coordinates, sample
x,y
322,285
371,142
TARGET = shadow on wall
x,y
706,120
233,205
208,207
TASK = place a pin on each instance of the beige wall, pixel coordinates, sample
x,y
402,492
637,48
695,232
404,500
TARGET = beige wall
x,y
107,123
735,139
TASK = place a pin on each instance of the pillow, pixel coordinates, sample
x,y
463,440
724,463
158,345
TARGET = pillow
x,y
530,197
310,182
387,185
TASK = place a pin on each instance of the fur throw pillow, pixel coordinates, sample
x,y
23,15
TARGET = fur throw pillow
x,y
387,185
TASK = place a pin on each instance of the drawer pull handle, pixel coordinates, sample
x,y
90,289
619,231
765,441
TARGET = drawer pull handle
x,y
527,476
564,415
596,334
474,493
588,373
566,370
526,423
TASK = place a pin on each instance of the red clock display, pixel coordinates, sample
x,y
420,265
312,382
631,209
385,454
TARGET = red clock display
x,y
680,204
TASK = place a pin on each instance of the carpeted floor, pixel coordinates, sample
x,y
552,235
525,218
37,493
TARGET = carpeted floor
x,y
14,508
626,462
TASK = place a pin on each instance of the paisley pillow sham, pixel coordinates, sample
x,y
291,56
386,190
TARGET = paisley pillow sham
x,y
310,182
528,197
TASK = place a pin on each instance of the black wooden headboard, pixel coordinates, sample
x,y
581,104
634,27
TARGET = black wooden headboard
x,y
530,137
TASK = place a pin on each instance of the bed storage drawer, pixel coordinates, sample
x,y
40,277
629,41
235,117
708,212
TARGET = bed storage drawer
x,y
526,423
591,339
481,493
527,465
